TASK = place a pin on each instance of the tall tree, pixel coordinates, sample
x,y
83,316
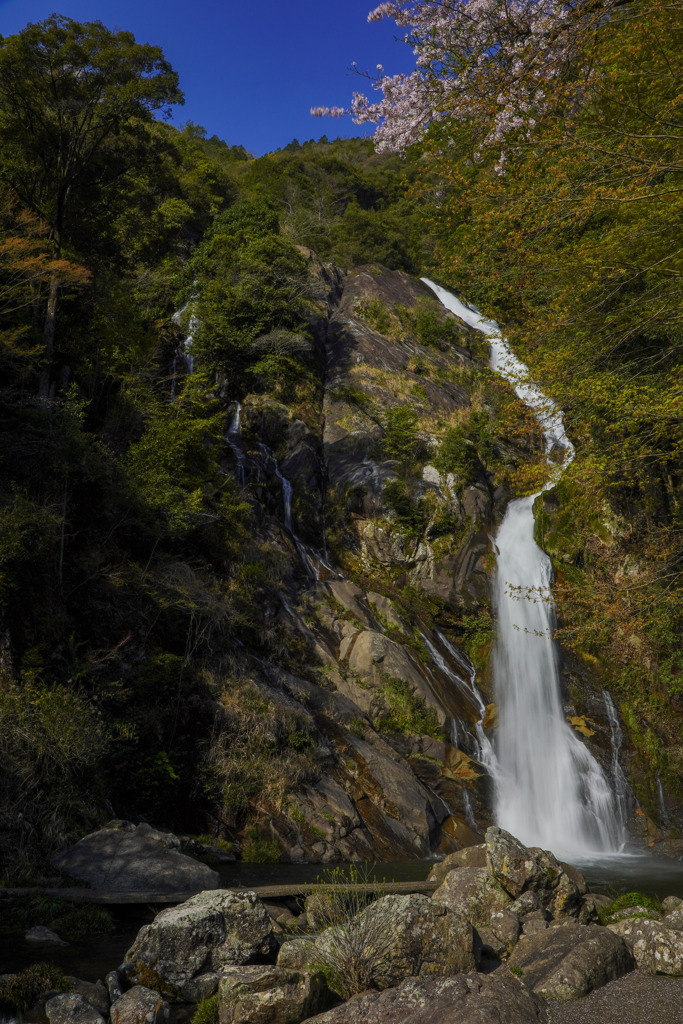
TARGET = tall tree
x,y
74,101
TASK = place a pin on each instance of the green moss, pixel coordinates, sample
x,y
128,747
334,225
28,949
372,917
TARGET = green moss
x,y
626,900
207,1011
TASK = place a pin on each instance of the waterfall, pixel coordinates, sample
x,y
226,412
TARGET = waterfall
x,y
550,790
234,431
313,562
622,791
192,326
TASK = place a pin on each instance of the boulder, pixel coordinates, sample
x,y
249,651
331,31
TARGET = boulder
x,y
124,857
671,903
70,1008
40,935
567,960
270,995
470,857
140,1005
657,948
93,992
465,999
296,954
674,918
408,936
520,869
114,985
473,893
184,947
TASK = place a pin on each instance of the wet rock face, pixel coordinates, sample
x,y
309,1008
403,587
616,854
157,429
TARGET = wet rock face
x,y
567,960
182,950
465,998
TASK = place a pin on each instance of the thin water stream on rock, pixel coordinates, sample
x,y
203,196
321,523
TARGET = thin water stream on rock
x,y
550,790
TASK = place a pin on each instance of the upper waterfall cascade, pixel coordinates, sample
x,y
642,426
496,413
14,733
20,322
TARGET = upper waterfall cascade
x,y
550,790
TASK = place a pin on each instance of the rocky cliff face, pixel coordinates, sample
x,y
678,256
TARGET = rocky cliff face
x,y
380,504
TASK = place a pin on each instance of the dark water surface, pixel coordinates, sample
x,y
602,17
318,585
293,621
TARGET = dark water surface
x,y
93,959
609,874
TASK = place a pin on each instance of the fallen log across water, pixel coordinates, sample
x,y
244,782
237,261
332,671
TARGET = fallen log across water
x,y
265,892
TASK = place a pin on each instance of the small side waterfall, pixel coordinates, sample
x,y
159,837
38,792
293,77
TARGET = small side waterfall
x,y
550,790
622,791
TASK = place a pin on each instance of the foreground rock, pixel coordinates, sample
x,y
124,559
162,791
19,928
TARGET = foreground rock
x,y
392,939
567,960
70,1008
559,887
93,992
270,995
422,939
182,952
656,946
465,999
473,893
140,1005
124,857
470,857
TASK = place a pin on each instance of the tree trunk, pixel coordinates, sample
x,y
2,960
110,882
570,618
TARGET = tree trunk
x,y
49,336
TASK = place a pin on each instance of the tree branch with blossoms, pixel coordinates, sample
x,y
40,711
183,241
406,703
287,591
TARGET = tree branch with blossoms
x,y
498,63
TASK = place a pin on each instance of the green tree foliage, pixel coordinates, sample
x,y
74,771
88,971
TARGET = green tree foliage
x,y
73,102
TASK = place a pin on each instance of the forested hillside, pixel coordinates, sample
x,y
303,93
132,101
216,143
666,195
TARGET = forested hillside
x,y
164,650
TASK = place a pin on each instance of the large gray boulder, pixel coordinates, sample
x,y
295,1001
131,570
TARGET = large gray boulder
x,y
184,949
469,857
124,857
70,1008
656,946
567,960
140,1005
397,937
270,995
465,999
520,869
473,893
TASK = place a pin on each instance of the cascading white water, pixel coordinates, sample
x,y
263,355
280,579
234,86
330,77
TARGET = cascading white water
x,y
234,431
550,790
622,791
192,325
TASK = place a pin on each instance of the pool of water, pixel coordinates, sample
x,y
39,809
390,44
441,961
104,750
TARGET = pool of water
x,y
93,959
609,874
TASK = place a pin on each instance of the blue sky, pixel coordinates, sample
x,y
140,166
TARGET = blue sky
x,y
251,70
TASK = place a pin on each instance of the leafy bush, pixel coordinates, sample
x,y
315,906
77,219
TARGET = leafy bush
x,y
406,711
75,922
401,439
50,742
410,515
21,992
458,455
261,851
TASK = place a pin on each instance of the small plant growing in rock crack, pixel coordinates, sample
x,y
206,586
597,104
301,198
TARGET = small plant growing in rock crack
x,y
353,947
